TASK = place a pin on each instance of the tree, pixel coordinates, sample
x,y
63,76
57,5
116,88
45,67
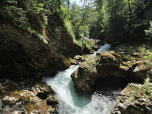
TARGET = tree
x,y
82,17
121,19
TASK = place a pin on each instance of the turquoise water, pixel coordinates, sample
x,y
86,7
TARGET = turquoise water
x,y
72,102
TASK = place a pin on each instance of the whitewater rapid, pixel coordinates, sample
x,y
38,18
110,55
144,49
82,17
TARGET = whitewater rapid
x,y
73,102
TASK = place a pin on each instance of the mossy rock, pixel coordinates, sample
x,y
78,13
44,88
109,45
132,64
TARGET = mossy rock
x,y
133,99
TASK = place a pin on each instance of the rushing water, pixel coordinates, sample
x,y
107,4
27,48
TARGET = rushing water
x,y
105,47
72,102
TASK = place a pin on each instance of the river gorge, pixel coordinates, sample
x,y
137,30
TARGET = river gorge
x,y
73,102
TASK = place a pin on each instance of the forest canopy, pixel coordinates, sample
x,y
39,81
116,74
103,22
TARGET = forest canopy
x,y
104,19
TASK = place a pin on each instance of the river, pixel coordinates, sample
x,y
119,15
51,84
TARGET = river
x,y
73,102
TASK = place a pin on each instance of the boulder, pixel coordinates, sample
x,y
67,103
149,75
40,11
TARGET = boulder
x,y
73,61
42,88
136,54
52,100
109,67
85,76
7,85
96,47
103,65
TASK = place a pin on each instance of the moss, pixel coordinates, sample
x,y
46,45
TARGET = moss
x,y
92,62
67,62
138,91
71,60
30,106
148,64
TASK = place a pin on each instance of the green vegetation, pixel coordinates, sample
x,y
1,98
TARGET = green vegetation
x,y
140,90
32,16
139,50
149,31
149,64
82,18
92,62
123,20
147,86
145,51
119,20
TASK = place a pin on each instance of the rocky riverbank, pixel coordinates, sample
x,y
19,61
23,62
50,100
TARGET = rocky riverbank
x,y
109,65
24,59
108,68
26,96
134,99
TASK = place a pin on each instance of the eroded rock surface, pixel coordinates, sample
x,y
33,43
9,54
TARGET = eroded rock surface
x,y
25,54
134,99
15,99
109,66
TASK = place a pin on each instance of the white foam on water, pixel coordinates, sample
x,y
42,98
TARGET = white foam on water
x,y
72,102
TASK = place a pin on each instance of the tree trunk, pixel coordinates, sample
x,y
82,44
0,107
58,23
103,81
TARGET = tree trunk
x,y
129,9
59,4
68,6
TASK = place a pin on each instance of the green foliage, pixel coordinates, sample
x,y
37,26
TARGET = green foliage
x,y
121,19
32,15
82,18
130,51
26,15
68,27
149,31
147,86
147,53
3,107
148,64
87,43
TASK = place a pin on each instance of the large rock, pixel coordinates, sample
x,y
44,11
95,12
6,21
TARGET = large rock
x,y
103,65
108,68
25,54
134,99
85,76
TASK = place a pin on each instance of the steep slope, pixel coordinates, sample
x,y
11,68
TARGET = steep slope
x,y
35,39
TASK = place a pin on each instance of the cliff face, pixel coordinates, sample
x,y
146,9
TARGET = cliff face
x,y
22,54
31,44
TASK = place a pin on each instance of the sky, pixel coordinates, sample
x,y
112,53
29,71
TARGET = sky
x,y
77,1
